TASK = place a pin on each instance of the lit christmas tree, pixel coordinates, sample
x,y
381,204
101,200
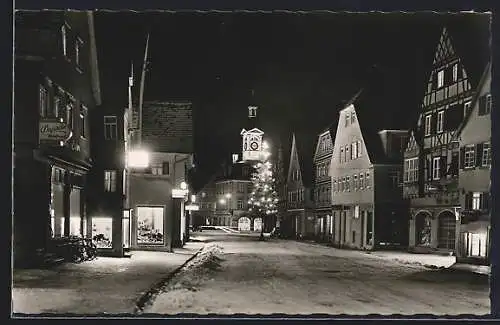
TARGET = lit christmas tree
x,y
263,198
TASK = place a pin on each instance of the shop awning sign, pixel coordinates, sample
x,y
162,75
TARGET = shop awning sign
x,y
53,131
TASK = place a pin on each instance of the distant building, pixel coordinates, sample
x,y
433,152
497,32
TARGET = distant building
x,y
158,193
474,136
300,220
322,185
232,195
432,156
365,169
57,89
206,199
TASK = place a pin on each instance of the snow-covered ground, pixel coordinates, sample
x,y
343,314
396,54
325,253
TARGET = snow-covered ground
x,y
104,285
243,275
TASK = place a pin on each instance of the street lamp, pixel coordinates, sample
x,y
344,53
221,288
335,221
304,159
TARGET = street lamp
x,y
137,159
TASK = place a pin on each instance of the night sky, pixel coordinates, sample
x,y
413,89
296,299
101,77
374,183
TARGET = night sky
x,y
302,67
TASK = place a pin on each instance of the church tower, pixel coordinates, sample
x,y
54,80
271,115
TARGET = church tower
x,y
252,136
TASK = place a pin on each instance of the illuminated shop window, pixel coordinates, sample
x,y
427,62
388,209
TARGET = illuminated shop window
x,y
150,225
102,232
74,226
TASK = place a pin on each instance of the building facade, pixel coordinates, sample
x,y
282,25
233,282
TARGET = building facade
x,y
368,208
158,193
56,89
300,220
474,135
206,199
432,157
322,186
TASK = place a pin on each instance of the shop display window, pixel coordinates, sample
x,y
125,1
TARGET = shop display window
x,y
150,225
102,232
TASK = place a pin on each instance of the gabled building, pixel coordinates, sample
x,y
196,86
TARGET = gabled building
x,y
322,185
432,154
300,219
474,137
57,88
158,192
365,169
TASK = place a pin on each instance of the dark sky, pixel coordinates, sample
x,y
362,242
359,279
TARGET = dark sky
x,y
301,66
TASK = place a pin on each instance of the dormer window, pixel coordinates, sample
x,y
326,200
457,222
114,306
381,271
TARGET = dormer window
x,y
353,117
347,119
252,111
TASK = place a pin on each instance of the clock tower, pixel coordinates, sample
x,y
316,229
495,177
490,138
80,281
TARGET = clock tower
x,y
252,137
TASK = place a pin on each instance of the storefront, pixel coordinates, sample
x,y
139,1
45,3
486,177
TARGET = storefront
x,y
474,238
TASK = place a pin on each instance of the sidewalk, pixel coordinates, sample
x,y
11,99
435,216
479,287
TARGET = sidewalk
x,y
104,285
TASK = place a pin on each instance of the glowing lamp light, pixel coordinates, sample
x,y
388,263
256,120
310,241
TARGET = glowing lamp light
x,y
222,201
193,198
138,159
183,186
265,145
228,195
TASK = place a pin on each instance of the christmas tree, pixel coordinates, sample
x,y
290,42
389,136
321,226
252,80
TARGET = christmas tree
x,y
263,198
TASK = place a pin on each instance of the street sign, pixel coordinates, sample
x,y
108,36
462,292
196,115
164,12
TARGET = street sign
x,y
178,193
192,207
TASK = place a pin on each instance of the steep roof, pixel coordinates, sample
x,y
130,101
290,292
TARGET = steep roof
x,y
305,144
375,112
484,77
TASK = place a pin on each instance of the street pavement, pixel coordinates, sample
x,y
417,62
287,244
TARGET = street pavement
x,y
104,285
240,274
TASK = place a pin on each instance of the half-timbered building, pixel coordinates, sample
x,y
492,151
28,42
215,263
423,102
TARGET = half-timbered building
x,y
432,158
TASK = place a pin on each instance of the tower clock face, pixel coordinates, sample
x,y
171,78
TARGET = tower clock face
x,y
254,145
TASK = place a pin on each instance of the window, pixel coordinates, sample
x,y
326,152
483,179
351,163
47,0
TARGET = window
x,y
69,113
361,181
334,186
166,168
469,156
83,121
367,180
342,154
394,179
353,117
411,170
476,201
150,225
428,124
455,72
440,120
355,182
78,47
252,111
157,170
346,152
356,211
348,183
43,100
347,119
343,184
358,149
354,153
110,180
436,170
486,157
64,39
240,205
488,104
440,78
241,187
110,127
57,105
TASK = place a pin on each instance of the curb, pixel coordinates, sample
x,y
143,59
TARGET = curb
x,y
155,288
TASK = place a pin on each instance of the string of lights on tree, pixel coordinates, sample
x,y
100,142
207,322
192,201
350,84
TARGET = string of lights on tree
x,y
263,198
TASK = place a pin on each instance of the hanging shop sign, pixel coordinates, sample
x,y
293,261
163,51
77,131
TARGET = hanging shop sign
x,y
53,131
178,193
192,207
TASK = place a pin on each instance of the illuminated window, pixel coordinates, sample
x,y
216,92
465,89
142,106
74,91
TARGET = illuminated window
x,y
110,180
440,78
455,72
436,170
476,201
150,225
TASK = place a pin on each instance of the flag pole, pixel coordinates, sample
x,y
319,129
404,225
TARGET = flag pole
x,y
141,90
